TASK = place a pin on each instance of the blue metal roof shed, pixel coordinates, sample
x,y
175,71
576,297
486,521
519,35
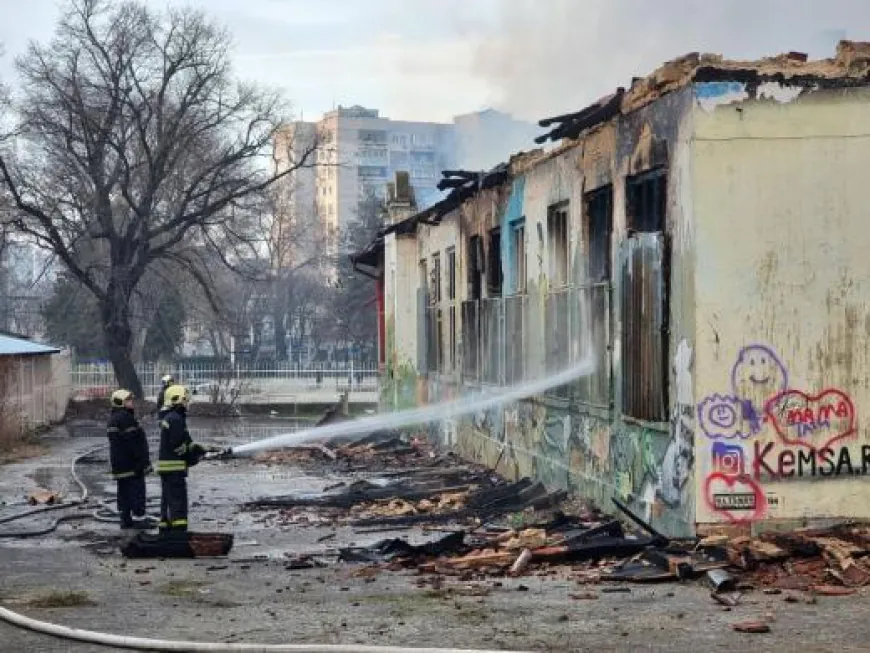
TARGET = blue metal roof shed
x,y
10,346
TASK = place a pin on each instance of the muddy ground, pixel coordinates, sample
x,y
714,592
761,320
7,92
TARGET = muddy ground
x,y
253,597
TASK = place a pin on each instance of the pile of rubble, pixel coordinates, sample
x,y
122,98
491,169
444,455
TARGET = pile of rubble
x,y
471,525
459,495
378,451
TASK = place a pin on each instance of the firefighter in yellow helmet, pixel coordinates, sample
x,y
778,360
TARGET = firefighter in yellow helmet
x,y
129,459
178,452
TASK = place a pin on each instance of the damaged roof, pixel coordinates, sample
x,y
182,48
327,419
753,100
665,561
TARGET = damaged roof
x,y
464,184
850,67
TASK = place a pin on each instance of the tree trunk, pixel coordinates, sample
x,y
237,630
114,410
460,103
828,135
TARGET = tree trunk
x,y
119,343
279,318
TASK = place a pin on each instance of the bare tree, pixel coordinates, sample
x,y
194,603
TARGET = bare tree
x,y
135,144
353,306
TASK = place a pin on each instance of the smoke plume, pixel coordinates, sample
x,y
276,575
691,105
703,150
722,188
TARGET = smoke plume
x,y
548,57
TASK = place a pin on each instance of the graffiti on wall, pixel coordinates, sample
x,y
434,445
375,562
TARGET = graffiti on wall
x,y
812,421
679,458
586,454
764,431
654,469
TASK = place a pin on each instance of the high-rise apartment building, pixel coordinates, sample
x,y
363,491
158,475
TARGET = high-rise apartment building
x,y
359,151
363,150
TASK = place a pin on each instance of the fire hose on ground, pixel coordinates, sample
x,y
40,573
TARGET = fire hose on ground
x,y
105,513
145,644
82,500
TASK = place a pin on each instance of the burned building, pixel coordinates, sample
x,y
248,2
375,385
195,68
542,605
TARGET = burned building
x,y
699,239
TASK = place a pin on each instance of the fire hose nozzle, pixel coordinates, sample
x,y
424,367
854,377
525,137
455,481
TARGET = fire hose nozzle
x,y
220,454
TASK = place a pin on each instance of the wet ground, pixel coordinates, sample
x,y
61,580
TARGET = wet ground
x,y
253,597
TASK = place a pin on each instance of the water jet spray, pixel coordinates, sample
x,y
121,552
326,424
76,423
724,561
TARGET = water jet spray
x,y
424,415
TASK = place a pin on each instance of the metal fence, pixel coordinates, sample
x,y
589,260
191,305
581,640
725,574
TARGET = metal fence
x,y
471,340
492,341
508,340
591,316
514,339
96,380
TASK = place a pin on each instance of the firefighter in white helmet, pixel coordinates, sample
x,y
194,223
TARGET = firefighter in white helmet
x,y
129,459
165,381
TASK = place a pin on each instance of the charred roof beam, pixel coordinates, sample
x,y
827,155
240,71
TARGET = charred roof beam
x,y
572,125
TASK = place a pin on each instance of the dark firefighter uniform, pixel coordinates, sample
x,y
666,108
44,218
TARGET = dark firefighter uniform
x,y
178,452
129,459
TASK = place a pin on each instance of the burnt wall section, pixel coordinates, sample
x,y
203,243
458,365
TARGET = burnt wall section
x,y
561,300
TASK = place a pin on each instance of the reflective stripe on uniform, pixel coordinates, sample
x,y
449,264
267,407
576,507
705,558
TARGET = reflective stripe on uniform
x,y
178,522
162,524
120,475
131,429
171,466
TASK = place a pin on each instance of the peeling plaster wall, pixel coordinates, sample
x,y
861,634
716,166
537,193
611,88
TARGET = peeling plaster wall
x,y
591,451
782,359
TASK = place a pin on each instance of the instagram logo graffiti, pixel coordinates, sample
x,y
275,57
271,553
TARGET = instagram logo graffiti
x,y
727,459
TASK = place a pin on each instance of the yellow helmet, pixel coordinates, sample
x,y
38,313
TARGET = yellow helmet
x,y
120,396
175,395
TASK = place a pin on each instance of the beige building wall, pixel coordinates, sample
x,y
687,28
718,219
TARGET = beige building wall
x,y
782,365
36,389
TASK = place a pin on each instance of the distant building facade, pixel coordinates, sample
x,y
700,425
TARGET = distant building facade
x,y
360,151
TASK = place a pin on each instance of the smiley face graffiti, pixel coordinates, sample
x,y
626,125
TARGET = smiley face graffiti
x,y
757,375
721,416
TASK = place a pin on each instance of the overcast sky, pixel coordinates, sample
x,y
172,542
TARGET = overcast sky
x,y
431,59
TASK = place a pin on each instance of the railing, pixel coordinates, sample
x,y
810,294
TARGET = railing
x,y
470,315
514,336
506,341
95,380
492,342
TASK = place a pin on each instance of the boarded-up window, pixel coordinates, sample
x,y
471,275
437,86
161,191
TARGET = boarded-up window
x,y
557,244
645,328
493,267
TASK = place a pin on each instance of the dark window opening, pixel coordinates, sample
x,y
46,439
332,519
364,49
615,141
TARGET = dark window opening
x,y
557,244
475,267
519,250
451,296
435,282
647,197
451,274
599,211
493,268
